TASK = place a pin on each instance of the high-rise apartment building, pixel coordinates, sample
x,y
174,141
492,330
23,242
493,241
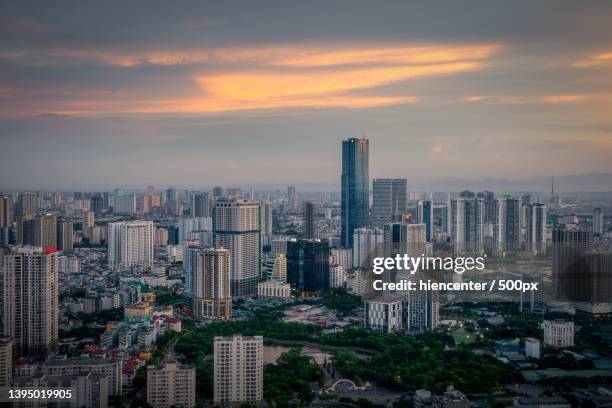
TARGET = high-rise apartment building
x,y
171,385
30,299
211,284
425,215
389,200
355,188
308,264
201,204
467,224
39,230
27,204
130,243
368,243
6,362
598,222
238,370
64,235
404,239
89,221
311,211
278,271
237,229
535,228
123,203
507,224
266,219
292,201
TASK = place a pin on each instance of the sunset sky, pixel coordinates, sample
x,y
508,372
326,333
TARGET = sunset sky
x,y
129,93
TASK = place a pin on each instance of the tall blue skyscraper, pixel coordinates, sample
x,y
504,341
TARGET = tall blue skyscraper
x,y
355,186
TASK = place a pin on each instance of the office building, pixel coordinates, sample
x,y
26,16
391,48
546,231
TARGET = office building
x,y
201,205
383,314
507,225
6,361
368,243
130,244
535,228
466,224
64,235
355,188
598,223
292,201
559,333
425,215
274,290
170,384
573,278
123,203
308,264
266,219
404,239
311,213
389,200
211,284
278,270
237,229
238,370
30,300
6,217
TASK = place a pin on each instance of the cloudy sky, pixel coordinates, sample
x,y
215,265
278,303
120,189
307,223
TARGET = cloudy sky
x,y
116,93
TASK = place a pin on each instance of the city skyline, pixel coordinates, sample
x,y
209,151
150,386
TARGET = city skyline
x,y
241,96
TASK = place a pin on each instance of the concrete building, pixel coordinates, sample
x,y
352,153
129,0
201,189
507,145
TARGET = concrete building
x,y
130,243
110,368
237,229
211,284
507,224
311,214
598,224
389,200
238,370
532,348
383,314
368,243
65,235
6,361
344,257
559,333
337,276
274,290
535,228
171,385
466,224
278,272
30,300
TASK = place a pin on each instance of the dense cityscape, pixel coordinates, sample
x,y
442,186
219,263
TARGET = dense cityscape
x,y
238,296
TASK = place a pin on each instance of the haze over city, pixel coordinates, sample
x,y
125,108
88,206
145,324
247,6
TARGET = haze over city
x,y
263,93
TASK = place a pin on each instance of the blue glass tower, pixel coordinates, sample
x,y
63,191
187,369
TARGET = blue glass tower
x,y
355,186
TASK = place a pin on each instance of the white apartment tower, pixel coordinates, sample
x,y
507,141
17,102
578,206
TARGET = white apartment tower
x,y
237,229
130,243
238,370
30,300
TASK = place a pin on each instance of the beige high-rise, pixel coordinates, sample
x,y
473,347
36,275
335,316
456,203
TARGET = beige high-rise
x,y
171,384
30,300
211,283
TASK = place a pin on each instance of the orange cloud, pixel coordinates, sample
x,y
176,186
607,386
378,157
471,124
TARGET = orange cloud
x,y
594,60
278,77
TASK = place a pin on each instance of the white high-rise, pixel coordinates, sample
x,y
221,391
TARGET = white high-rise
x,y
237,229
535,227
238,369
367,244
171,384
30,294
466,224
130,243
